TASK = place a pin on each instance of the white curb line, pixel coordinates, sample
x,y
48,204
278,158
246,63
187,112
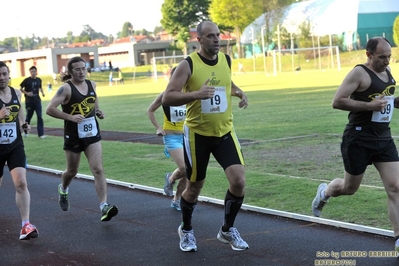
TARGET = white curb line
x,y
306,218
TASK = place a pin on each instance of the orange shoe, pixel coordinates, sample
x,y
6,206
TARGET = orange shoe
x,y
28,231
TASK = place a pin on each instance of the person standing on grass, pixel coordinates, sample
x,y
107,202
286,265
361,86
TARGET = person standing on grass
x,y
79,103
205,78
110,78
367,92
12,150
120,76
240,68
172,133
30,87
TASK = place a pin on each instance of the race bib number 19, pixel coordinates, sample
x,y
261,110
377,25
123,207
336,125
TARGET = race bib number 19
x,y
87,128
216,104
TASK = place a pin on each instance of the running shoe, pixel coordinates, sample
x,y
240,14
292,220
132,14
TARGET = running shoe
x,y
63,199
318,202
175,204
233,238
168,187
28,231
187,240
108,212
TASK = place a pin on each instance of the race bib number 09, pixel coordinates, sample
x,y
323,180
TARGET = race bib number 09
x,y
384,116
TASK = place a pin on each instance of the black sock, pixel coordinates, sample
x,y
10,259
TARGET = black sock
x,y
187,210
232,205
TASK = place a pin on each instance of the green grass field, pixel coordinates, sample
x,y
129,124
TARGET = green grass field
x,y
293,143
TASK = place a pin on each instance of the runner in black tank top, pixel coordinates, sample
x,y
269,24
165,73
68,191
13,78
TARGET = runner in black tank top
x,y
367,92
79,102
12,149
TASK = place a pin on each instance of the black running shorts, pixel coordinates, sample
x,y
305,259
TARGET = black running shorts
x,y
357,154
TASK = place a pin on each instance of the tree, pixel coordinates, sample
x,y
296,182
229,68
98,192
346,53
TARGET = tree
x,y
179,16
70,37
127,30
273,11
157,29
142,32
10,42
236,14
396,31
86,34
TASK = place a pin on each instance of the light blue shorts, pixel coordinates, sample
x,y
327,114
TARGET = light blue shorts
x,y
172,142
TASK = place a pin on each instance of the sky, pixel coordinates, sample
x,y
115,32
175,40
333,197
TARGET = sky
x,y
54,18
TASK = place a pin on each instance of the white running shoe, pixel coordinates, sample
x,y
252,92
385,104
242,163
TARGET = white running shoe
x,y
187,240
318,202
233,238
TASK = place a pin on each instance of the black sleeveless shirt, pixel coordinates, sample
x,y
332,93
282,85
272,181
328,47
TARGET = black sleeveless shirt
x,y
79,104
360,123
14,106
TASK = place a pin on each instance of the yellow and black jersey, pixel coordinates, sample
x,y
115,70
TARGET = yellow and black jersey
x,y
210,117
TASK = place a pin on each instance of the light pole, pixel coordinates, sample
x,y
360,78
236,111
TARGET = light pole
x,y
279,47
19,45
253,50
263,49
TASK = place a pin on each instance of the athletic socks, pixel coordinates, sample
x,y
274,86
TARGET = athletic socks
x,y
232,205
102,205
25,222
187,210
323,195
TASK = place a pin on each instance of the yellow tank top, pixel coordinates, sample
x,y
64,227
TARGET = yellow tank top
x,y
211,117
173,117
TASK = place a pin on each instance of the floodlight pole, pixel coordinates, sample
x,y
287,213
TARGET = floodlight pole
x,y
253,50
19,45
263,49
292,52
331,52
279,46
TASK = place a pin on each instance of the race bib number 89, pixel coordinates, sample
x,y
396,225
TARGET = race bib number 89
x,y
87,128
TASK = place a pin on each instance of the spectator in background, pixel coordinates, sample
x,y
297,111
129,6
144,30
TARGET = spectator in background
x,y
88,69
120,76
240,68
110,66
31,87
55,81
110,78
63,70
165,72
49,86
